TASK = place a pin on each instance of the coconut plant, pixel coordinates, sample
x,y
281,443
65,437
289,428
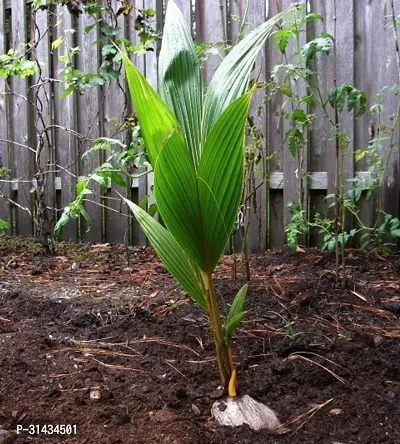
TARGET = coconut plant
x,y
195,144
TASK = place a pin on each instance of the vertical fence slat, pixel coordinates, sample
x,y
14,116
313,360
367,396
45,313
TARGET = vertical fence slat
x,y
340,24
136,194
365,128
19,130
4,158
114,111
275,131
89,109
256,239
43,116
65,119
294,166
389,64
211,27
320,133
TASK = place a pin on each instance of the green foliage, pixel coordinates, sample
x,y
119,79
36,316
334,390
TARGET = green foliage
x,y
108,41
119,168
14,64
297,226
235,314
292,79
4,226
196,150
356,99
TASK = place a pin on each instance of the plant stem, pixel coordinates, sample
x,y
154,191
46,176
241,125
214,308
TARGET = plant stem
x,y
224,361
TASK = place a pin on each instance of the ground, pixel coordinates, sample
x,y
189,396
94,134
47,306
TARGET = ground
x,y
101,337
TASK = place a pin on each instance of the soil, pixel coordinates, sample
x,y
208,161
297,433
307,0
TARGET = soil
x,y
112,346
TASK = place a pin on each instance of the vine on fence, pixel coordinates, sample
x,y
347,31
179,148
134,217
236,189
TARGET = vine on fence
x,y
23,62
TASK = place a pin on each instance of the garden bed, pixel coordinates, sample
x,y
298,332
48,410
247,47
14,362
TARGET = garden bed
x,y
111,345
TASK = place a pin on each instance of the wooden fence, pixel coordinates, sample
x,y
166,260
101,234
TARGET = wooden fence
x,y
367,55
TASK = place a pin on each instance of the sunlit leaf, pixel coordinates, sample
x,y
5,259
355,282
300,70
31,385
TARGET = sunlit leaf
x,y
180,79
172,255
231,79
156,121
176,195
220,177
235,314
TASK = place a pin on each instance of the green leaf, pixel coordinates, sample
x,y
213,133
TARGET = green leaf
x,y
320,44
81,185
86,216
300,116
180,83
156,121
235,314
220,177
284,89
231,79
4,225
99,179
395,232
172,255
64,219
117,179
175,190
57,43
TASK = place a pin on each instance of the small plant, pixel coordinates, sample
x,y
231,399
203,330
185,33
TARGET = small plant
x,y
4,226
196,149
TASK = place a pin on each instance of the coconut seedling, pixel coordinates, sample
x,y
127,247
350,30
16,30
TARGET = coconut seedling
x,y
195,144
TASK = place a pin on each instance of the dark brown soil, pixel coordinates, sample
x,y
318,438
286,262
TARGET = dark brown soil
x,y
87,322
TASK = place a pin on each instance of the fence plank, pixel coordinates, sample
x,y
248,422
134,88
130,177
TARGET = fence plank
x,y
136,194
275,146
65,120
340,70
365,128
89,109
211,26
45,157
296,186
389,69
20,132
5,213
256,150
116,223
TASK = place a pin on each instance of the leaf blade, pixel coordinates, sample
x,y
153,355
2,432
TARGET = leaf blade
x,y
181,85
231,79
155,119
172,255
175,189
220,177
236,314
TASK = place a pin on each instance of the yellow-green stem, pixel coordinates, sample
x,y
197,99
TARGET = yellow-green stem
x,y
221,349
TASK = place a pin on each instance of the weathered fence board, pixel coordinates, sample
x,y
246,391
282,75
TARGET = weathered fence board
x,y
243,21
43,112
88,111
5,213
211,28
19,115
275,148
116,225
65,121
